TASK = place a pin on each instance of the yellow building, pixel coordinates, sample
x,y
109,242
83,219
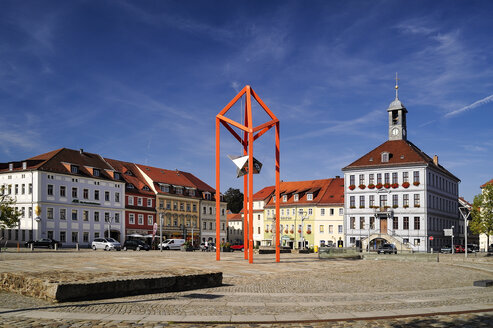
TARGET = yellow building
x,y
312,213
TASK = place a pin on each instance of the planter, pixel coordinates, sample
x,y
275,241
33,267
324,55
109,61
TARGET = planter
x,y
379,186
352,206
285,231
371,186
387,185
308,231
299,231
395,185
416,183
291,231
406,206
406,184
361,207
416,206
395,206
351,187
362,186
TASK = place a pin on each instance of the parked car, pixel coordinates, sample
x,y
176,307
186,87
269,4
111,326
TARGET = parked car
x,y
387,249
446,249
107,244
472,248
490,248
210,247
136,245
460,249
172,243
237,247
43,242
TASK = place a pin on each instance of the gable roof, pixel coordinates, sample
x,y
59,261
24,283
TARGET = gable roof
x,y
163,176
401,153
487,183
264,193
131,175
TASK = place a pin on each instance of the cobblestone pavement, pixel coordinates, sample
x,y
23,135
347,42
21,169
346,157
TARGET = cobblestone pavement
x,y
301,287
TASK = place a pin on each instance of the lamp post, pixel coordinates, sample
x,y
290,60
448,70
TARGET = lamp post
x,y
464,211
110,219
161,218
452,246
302,238
368,242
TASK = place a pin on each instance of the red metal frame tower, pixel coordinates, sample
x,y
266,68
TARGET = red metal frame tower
x,y
250,134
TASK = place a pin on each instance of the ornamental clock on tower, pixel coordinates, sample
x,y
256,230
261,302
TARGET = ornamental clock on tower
x,y
397,117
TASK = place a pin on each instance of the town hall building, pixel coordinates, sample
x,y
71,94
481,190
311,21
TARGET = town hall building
x,y
398,194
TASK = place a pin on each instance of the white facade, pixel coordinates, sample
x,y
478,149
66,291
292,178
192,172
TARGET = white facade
x,y
208,221
258,221
235,233
63,207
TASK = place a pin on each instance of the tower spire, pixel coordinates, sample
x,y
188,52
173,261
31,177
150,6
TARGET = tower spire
x,y
396,86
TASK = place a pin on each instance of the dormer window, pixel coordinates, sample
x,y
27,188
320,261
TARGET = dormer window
x,y
117,176
191,192
164,188
274,199
285,198
74,169
11,166
130,186
309,196
146,188
96,172
24,165
296,197
385,157
179,190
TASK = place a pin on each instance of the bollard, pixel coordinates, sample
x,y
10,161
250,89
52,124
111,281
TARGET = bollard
x,y
77,247
32,246
18,247
56,247
438,257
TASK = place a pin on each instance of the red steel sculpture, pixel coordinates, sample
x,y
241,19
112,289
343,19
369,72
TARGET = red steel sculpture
x,y
250,134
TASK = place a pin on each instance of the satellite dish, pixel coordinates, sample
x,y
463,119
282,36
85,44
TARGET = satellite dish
x,y
241,163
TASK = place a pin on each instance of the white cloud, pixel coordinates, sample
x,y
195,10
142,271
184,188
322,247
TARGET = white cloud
x,y
471,106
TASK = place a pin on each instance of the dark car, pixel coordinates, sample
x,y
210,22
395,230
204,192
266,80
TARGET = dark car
x,y
136,245
387,249
43,242
446,249
472,248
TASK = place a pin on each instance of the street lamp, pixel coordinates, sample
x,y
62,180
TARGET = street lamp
x,y
464,211
303,218
452,246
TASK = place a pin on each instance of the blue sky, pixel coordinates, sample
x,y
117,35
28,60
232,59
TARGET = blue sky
x,y
142,81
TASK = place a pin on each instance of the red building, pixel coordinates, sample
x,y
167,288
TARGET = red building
x,y
140,200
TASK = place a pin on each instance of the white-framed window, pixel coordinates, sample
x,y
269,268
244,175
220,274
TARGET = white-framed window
x,y
285,198
85,193
96,194
63,214
179,190
74,169
131,218
341,211
296,197
106,196
117,197
74,215
95,172
321,228
139,201
63,237
141,219
75,236
62,191
117,217
96,216
385,157
322,212
310,211
49,213
150,219
340,228
309,196
149,202
130,200
85,215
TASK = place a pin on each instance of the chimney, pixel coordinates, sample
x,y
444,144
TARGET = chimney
x,y
81,151
338,176
435,160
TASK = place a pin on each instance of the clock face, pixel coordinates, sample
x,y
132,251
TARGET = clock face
x,y
395,131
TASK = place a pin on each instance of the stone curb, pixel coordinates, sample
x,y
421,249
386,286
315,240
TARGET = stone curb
x,y
258,319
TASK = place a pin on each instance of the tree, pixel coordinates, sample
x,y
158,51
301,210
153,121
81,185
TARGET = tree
x,y
9,215
482,212
234,198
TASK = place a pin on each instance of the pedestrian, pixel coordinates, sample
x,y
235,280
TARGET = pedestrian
x,y
206,246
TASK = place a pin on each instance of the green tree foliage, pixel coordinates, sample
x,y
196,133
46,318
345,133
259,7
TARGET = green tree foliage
x,y
482,212
9,215
234,198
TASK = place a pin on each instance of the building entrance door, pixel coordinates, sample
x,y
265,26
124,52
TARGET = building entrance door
x,y
383,225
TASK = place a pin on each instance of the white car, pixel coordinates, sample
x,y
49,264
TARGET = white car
x,y
107,244
172,244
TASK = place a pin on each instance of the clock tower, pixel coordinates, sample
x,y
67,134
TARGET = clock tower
x,y
397,117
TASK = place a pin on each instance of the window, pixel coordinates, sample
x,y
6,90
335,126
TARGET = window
x,y
74,192
85,237
416,176
340,228
405,223
96,194
191,192
405,200
49,213
352,202
372,201
96,235
182,208
205,225
106,217
204,210
75,237
309,196
141,219
321,228
322,212
405,176
62,191
175,206
85,194
395,200
149,202
188,207
361,179
296,197
16,189
106,196
331,228
23,189
331,211
351,180
168,205
85,216
310,211
394,177
416,200
194,208
372,222
352,222
63,214
150,220
361,222
371,178
30,211
131,218
395,223
417,223
379,178
131,200
74,215
387,177
62,236
50,234
383,200
285,198
179,190
30,188
50,190
361,201
417,242
385,157
74,169
96,216
117,197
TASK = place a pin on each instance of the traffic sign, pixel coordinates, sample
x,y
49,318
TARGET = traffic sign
x,y
431,237
447,232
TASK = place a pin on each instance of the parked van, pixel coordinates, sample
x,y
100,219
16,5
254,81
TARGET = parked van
x,y
173,243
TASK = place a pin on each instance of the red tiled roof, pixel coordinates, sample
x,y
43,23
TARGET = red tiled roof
x,y
325,192
170,177
264,193
234,217
401,152
131,175
487,183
